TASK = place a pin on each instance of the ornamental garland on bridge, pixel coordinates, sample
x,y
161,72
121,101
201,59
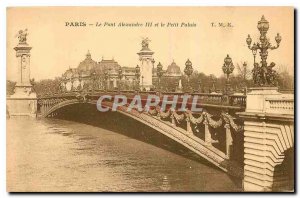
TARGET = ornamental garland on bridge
x,y
195,120
214,124
229,120
178,117
153,112
164,115
204,117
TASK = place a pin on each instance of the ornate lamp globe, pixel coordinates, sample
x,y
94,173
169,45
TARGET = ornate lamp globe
x,y
249,40
188,63
228,67
188,68
263,25
159,69
153,61
224,68
137,71
254,49
227,60
278,39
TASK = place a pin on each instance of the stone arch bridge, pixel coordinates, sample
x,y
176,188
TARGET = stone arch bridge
x,y
245,136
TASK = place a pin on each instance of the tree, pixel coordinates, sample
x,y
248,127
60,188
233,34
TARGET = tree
x,y
285,79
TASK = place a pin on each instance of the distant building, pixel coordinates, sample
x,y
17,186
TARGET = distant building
x,y
170,78
92,73
82,75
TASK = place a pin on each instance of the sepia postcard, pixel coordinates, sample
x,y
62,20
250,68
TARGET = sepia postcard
x,y
150,99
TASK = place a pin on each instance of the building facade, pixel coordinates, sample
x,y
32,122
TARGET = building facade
x,y
109,74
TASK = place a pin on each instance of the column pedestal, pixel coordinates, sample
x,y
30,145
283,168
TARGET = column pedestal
x,y
24,101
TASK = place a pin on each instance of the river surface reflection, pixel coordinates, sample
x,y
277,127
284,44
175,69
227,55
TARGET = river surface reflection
x,y
60,155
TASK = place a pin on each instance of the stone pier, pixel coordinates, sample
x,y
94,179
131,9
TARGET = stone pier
x,y
268,140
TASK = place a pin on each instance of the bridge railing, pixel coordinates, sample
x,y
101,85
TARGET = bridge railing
x,y
203,98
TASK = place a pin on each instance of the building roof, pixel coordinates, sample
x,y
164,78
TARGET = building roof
x,y
173,68
87,64
108,65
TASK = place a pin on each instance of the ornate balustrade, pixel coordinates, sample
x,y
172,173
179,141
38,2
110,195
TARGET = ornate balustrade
x,y
280,106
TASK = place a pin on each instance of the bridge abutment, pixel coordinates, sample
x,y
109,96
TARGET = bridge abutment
x,y
268,137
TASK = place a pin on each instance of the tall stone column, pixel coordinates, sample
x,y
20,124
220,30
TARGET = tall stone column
x,y
23,102
268,140
146,65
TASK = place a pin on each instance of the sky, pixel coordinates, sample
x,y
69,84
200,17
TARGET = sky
x,y
56,47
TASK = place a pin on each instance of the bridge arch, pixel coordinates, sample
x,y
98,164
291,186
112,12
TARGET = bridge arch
x,y
179,135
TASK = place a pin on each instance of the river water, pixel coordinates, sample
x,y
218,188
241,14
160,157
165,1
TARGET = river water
x,y
60,155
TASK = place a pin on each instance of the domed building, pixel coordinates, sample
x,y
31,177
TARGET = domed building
x,y
173,70
87,64
88,69
170,78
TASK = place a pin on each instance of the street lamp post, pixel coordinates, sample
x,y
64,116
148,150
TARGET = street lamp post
x,y
245,75
213,80
72,81
188,70
159,73
263,75
228,68
137,75
199,85
93,77
120,76
80,80
106,80
65,83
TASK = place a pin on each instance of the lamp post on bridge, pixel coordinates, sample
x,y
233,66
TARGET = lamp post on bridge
x,y
265,80
120,76
159,72
245,77
199,85
137,75
106,77
94,76
227,68
108,81
263,75
188,70
72,82
213,80
80,80
65,83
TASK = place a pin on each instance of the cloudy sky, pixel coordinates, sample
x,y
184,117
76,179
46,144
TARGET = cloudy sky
x,y
56,47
